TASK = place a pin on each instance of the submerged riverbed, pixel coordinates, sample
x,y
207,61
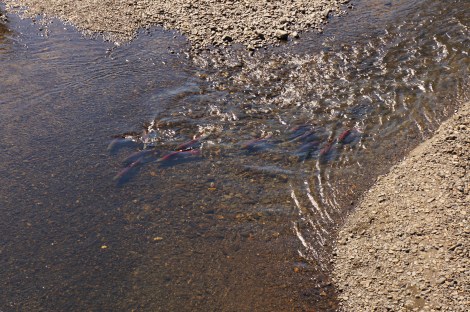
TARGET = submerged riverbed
x,y
286,141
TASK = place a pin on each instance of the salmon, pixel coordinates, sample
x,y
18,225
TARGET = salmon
x,y
251,144
142,153
305,137
300,132
126,170
187,145
327,148
342,136
118,143
115,142
168,156
308,146
307,150
179,154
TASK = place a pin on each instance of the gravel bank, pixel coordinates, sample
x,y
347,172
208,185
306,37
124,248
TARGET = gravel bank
x,y
253,23
406,247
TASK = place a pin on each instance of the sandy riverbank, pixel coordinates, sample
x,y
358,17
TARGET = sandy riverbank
x,y
406,247
252,23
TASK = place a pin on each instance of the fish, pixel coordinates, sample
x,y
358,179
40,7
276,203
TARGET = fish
x,y
187,145
271,170
327,152
343,135
299,127
307,147
306,150
253,144
168,156
178,154
142,153
303,136
327,148
191,152
126,170
311,136
117,143
299,131
114,143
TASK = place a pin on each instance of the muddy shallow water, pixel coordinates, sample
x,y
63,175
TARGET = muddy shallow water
x,y
287,140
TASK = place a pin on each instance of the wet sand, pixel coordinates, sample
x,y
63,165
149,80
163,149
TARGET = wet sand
x,y
252,23
406,247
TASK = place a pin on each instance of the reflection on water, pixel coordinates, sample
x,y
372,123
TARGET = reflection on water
x,y
359,102
228,196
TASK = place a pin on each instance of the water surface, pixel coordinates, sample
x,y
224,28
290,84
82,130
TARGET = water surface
x,y
288,140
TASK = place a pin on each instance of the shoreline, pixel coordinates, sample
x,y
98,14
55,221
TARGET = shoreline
x,y
254,24
406,246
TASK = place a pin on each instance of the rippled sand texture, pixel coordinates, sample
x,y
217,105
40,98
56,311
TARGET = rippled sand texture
x,y
204,22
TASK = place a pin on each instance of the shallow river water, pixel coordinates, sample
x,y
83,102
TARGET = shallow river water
x,y
135,179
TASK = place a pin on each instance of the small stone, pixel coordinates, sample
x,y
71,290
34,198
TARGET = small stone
x,y
409,304
281,34
227,38
441,280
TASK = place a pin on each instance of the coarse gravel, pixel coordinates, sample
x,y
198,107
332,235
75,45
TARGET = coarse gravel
x,y
253,23
407,246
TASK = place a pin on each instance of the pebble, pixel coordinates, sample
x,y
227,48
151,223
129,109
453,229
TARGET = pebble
x,y
441,280
281,34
